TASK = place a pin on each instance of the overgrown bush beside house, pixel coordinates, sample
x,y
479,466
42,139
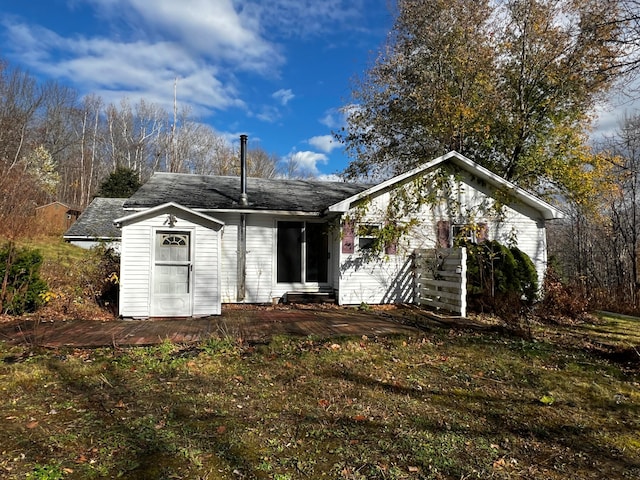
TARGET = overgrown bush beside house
x,y
501,280
105,277
100,276
562,300
82,283
22,288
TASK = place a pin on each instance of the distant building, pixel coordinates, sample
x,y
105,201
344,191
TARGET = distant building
x,y
56,217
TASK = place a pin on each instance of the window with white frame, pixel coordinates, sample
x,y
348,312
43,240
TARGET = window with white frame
x,y
463,233
367,234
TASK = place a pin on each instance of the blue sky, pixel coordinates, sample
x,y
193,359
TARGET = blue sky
x,y
277,70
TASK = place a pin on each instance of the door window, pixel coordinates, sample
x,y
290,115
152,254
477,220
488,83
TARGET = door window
x,y
289,252
172,263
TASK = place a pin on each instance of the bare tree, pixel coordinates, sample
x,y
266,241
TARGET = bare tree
x,y
20,98
261,164
130,132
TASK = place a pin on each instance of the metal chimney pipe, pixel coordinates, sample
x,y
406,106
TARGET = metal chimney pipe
x,y
242,228
243,170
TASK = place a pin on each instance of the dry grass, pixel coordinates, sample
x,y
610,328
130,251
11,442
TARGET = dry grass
x,y
455,401
450,403
75,279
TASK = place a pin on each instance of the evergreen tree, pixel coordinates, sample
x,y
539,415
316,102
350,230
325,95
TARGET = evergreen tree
x,y
121,183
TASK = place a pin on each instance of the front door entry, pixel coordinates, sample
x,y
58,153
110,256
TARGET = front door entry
x,y
172,275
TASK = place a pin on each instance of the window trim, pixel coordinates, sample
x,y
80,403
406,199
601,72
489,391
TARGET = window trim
x,y
370,238
304,245
458,228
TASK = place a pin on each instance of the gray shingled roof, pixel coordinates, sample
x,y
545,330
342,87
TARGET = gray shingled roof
x,y
216,192
97,219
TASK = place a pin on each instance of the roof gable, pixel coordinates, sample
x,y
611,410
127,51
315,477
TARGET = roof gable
x,y
54,204
546,210
170,208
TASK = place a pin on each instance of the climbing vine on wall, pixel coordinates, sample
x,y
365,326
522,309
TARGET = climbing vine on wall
x,y
442,192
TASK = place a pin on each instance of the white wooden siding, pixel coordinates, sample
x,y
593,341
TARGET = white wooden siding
x,y
260,259
380,281
135,271
206,281
260,283
137,267
386,280
229,257
259,270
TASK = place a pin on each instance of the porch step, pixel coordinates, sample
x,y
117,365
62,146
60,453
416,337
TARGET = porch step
x,y
310,297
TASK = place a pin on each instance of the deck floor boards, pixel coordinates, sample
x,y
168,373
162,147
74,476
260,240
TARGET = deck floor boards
x,y
251,325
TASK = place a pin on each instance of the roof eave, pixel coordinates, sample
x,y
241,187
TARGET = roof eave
x,y
314,213
90,237
548,211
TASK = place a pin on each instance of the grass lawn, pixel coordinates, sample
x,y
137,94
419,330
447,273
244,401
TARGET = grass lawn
x,y
447,404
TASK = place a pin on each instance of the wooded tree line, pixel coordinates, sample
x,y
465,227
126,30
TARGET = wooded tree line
x,y
56,145
597,248
514,85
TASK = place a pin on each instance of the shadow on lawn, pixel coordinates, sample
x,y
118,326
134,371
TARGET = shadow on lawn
x,y
136,434
525,429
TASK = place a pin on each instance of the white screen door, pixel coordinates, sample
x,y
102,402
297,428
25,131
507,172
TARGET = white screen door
x,y
172,275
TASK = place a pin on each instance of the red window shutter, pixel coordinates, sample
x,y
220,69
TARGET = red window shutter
x,y
391,248
444,232
348,237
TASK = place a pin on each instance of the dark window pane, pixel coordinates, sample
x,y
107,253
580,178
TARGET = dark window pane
x,y
317,252
289,252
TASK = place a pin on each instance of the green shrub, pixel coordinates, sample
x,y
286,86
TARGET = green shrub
x,y
121,183
46,472
21,286
527,274
499,276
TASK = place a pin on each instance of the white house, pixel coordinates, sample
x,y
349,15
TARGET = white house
x,y
192,242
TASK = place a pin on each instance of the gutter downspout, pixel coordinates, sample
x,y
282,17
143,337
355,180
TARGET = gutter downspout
x,y
242,228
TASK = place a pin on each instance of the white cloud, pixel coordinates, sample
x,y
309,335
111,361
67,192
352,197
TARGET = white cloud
x,y
329,177
204,44
265,113
611,114
133,69
306,17
307,162
215,30
212,47
283,96
333,119
324,143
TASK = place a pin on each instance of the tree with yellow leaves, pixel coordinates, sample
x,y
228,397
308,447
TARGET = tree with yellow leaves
x,y
509,84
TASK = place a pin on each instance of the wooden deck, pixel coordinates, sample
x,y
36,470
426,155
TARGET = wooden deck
x,y
250,325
